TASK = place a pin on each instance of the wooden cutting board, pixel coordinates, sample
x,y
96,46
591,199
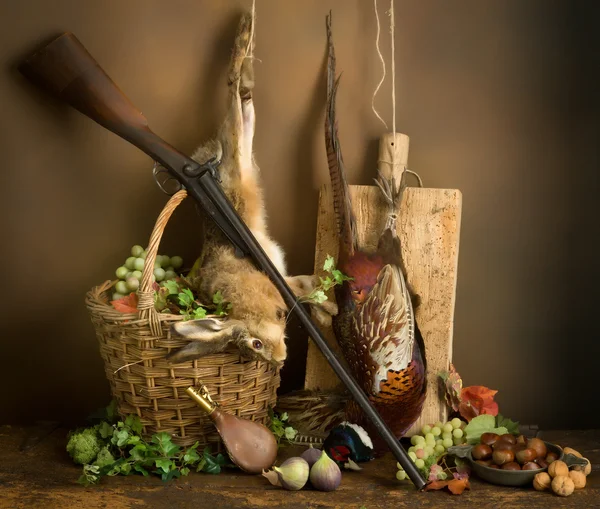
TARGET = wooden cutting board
x,y
429,229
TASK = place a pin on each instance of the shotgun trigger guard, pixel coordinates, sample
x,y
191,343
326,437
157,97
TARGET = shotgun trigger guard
x,y
166,183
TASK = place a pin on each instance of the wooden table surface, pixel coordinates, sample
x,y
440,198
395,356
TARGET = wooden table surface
x,y
44,476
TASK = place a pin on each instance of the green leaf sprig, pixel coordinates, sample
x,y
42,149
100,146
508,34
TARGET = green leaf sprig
x,y
336,277
280,426
126,452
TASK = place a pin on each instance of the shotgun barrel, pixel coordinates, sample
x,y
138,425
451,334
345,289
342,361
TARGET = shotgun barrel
x,y
68,70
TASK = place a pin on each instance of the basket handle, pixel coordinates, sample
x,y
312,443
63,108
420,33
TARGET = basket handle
x,y
146,292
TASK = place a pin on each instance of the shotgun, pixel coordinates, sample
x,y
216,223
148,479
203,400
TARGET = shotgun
x,y
67,69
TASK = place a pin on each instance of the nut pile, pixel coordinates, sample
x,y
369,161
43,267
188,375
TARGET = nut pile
x,y
559,479
512,453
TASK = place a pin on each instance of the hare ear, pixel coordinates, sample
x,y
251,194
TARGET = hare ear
x,y
209,336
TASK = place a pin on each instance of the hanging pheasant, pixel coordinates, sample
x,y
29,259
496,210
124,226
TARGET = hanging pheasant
x,y
375,326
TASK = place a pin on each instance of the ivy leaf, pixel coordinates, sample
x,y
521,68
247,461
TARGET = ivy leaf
x,y
164,464
511,426
171,286
284,416
329,263
199,313
105,430
186,297
191,455
318,296
138,453
211,466
133,421
217,297
120,437
139,468
290,433
171,474
166,446
185,471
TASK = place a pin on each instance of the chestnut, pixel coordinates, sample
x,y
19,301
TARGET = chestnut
x,y
525,455
550,457
503,456
494,466
507,437
530,465
503,446
522,440
542,462
481,452
539,446
485,463
489,438
513,465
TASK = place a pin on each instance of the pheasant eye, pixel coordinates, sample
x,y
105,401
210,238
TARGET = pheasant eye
x,y
257,344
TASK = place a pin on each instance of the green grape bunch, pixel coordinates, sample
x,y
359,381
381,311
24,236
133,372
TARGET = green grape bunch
x,y
431,444
129,275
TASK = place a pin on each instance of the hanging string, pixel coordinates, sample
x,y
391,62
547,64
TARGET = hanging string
x,y
382,66
392,24
250,48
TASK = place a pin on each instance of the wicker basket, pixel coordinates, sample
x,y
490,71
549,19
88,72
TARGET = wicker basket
x,y
133,347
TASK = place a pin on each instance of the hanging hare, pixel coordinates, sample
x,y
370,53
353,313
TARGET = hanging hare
x,y
257,318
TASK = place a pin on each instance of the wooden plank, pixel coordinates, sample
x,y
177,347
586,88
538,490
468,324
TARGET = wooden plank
x,y
429,229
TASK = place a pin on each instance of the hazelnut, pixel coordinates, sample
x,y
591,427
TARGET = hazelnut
x,y
542,481
578,479
562,485
568,450
586,470
557,468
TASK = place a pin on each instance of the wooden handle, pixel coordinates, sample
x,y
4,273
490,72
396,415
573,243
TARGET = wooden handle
x,y
393,155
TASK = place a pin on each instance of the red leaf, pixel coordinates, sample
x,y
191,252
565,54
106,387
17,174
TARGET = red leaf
x,y
436,485
127,304
476,400
457,486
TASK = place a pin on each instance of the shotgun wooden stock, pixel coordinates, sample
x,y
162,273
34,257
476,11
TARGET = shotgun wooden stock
x,y
66,68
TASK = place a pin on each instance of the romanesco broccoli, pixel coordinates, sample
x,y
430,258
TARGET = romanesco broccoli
x,y
84,445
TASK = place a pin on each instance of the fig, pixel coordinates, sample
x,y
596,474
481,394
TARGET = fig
x,y
531,465
489,438
513,465
507,437
539,446
481,452
503,456
550,457
525,455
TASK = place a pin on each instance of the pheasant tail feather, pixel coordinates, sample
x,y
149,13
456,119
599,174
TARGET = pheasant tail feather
x,y
341,194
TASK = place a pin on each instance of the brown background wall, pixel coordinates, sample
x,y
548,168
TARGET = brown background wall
x,y
494,95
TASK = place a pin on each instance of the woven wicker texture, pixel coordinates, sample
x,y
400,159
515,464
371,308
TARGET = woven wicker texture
x,y
133,348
